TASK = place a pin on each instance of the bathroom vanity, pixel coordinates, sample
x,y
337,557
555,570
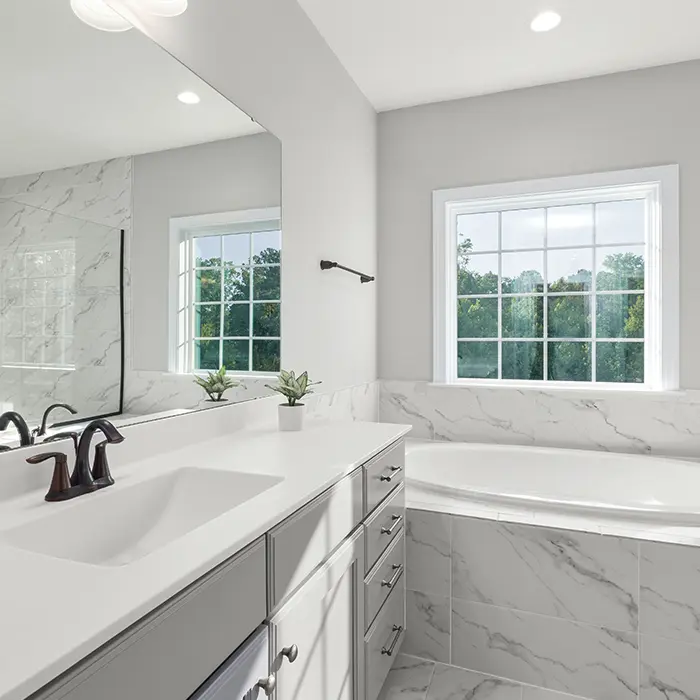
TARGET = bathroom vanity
x,y
314,608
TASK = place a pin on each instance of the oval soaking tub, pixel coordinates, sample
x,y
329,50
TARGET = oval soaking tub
x,y
611,485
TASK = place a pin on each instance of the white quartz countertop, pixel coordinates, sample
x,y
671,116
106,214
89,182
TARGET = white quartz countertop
x,y
56,611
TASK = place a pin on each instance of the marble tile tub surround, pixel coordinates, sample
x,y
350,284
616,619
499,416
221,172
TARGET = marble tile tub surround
x,y
556,611
666,423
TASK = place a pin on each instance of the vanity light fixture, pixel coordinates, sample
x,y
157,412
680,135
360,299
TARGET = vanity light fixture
x,y
189,98
546,21
100,15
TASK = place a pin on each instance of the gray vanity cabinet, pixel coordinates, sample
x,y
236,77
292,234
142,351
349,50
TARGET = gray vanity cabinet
x,y
316,637
169,654
327,586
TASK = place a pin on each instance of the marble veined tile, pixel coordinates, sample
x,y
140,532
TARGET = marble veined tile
x,y
572,575
670,670
450,683
428,552
670,598
408,679
611,421
427,626
561,655
532,693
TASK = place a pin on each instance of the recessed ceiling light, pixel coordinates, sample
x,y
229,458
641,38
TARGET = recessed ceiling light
x,y
189,98
546,21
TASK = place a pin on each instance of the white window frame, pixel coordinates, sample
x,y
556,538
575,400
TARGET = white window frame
x,y
658,186
182,230
67,280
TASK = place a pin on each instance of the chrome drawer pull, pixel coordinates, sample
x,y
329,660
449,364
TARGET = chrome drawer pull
x,y
389,477
397,630
291,653
398,570
389,530
267,685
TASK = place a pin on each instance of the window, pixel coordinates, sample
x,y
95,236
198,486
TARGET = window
x,y
570,281
37,293
229,292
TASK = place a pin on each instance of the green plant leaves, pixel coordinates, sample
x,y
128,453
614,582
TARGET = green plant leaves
x,y
216,383
293,388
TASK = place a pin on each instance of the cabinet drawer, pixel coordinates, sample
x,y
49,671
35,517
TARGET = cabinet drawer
x,y
383,641
384,525
300,543
386,575
383,474
239,676
172,651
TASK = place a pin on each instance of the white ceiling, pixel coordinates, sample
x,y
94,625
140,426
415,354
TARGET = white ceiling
x,y
70,94
406,52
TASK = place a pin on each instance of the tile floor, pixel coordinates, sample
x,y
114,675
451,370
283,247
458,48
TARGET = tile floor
x,y
412,678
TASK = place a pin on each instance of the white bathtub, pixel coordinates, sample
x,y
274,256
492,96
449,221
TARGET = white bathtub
x,y
611,486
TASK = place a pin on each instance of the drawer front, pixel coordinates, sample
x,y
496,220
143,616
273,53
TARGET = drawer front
x,y
384,525
300,543
383,641
241,675
174,650
386,575
383,474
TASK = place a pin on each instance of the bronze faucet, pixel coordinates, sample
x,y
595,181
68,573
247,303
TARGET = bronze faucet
x,y
84,479
41,430
98,475
25,436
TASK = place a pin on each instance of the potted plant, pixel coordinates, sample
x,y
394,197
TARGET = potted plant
x,y
293,388
216,384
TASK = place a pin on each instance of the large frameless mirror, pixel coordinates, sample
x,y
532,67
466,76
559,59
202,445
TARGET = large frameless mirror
x,y
140,230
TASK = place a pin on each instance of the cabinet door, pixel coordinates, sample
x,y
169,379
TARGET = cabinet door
x,y
317,635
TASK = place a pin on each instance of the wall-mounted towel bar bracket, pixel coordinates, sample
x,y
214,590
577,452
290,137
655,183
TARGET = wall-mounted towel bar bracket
x,y
327,265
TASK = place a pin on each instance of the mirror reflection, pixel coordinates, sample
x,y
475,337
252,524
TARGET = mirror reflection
x,y
140,231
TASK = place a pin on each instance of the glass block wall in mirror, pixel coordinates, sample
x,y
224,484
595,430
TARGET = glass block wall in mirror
x,y
125,180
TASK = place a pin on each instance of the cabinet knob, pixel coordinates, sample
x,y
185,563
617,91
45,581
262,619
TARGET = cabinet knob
x,y
291,653
267,685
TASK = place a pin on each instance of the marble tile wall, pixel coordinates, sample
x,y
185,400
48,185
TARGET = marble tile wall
x,y
548,612
640,422
152,392
86,206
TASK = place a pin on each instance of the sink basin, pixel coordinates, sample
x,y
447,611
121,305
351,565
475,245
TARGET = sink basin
x,y
119,526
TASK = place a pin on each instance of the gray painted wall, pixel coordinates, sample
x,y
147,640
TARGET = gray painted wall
x,y
627,120
268,58
240,173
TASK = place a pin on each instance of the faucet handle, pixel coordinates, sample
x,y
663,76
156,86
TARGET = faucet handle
x,y
60,489
100,467
62,436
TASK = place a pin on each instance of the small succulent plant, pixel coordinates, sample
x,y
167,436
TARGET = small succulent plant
x,y
216,384
293,388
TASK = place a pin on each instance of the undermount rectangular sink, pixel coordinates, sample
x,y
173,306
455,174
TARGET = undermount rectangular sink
x,y
119,526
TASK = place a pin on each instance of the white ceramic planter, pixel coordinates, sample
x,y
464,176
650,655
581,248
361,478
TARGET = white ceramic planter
x,y
291,417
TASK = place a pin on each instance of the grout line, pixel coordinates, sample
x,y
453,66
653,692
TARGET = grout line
x,y
518,611
639,617
430,682
451,521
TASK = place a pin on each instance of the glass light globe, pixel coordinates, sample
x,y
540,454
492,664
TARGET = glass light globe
x,y
99,15
163,8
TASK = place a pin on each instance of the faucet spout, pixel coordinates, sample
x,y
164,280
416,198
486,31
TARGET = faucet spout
x,y
45,418
25,436
82,474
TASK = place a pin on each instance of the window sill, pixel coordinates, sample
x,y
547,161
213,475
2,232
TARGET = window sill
x,y
575,388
